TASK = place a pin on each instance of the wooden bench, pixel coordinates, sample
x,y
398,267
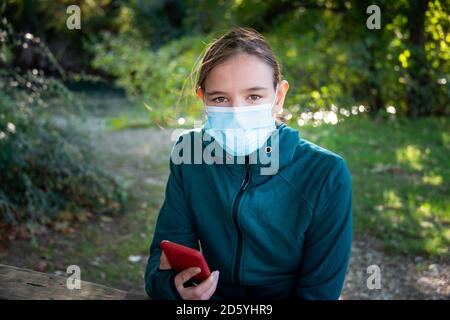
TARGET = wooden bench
x,y
23,284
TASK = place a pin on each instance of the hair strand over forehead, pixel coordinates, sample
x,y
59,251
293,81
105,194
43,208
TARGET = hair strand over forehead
x,y
237,40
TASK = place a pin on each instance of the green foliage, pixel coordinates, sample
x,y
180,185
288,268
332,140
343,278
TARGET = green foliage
x,y
158,81
328,55
45,168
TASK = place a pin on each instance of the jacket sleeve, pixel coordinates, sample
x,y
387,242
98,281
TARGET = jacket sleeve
x,y
328,239
175,224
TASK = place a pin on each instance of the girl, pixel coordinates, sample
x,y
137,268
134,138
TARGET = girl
x,y
277,235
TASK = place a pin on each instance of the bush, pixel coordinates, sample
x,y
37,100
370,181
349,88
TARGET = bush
x,y
159,79
45,169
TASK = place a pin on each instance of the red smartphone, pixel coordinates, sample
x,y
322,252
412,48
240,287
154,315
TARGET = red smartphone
x,y
181,257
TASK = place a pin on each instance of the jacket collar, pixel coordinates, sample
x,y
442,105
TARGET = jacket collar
x,y
265,166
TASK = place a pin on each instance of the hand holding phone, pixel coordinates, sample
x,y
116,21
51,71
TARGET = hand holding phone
x,y
190,264
181,258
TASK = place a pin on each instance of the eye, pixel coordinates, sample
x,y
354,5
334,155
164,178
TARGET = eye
x,y
255,97
220,99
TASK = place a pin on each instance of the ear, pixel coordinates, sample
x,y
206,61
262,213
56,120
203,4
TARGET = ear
x,y
283,88
200,93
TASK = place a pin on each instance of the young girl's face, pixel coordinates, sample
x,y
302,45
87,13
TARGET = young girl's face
x,y
242,80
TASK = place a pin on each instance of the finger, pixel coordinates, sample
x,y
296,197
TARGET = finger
x,y
192,293
211,290
184,276
208,288
207,283
164,263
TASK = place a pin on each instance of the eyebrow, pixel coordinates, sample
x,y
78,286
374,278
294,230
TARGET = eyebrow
x,y
258,88
212,93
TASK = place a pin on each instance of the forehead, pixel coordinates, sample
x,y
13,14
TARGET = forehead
x,y
238,73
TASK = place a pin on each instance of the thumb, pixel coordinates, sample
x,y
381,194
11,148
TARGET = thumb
x,y
164,263
216,276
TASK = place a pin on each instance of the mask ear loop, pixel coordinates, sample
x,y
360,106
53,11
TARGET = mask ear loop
x,y
268,148
275,100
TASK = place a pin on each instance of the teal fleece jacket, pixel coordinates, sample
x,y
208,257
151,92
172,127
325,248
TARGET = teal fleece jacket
x,y
281,236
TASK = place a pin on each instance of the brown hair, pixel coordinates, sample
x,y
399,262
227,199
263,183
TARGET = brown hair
x,y
237,40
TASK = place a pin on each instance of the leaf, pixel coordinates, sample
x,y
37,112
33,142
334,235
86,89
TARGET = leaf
x,y
40,266
60,226
84,216
148,107
106,219
65,216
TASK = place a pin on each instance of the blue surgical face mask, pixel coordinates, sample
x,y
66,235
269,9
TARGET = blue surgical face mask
x,y
240,130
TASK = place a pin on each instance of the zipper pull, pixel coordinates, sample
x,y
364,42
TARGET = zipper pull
x,y
248,174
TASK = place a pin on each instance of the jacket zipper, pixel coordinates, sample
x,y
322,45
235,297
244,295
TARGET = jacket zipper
x,y
242,189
